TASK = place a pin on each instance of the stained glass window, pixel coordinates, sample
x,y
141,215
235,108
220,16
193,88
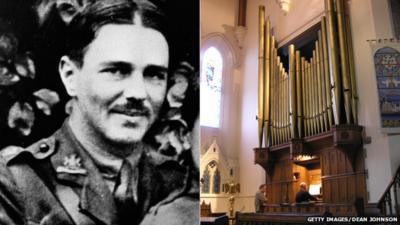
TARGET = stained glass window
x,y
206,181
387,68
217,181
211,82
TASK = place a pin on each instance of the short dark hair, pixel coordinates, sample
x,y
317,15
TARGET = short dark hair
x,y
84,26
261,186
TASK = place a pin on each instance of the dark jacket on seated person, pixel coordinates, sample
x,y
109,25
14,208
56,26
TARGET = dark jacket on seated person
x,y
304,196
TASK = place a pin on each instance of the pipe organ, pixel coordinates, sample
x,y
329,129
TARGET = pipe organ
x,y
307,118
311,95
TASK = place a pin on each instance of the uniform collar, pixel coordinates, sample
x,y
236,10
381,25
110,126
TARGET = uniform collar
x,y
109,167
74,167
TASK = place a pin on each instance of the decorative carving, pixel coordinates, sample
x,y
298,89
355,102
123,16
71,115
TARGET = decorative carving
x,y
348,139
212,164
264,158
296,148
240,34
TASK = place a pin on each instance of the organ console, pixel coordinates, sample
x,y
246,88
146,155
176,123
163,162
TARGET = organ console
x,y
310,110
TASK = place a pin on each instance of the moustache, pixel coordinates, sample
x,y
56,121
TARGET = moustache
x,y
132,109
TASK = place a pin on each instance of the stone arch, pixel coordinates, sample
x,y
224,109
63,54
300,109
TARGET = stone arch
x,y
222,43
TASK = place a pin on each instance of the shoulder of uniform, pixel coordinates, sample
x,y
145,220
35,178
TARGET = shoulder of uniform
x,y
43,148
10,152
39,150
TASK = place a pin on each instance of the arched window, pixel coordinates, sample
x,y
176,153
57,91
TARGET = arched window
x,y
206,181
211,83
387,68
216,181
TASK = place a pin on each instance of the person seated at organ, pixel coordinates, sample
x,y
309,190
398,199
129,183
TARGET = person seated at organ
x,y
303,195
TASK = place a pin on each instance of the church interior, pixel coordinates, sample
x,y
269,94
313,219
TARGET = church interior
x,y
299,91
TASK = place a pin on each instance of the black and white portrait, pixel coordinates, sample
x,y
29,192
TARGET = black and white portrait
x,y
99,103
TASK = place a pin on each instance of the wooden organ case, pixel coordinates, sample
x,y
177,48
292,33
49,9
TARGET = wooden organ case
x,y
307,120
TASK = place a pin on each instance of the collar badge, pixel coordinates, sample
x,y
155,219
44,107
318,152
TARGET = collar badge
x,y
72,164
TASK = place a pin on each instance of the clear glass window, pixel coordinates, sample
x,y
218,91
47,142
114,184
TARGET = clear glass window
x,y
211,84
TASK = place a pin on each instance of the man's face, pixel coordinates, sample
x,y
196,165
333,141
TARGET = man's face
x,y
264,189
122,82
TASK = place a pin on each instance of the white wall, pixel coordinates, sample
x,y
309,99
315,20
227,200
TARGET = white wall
x,y
217,14
301,16
251,175
370,20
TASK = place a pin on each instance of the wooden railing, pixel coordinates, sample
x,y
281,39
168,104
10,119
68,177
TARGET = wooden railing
x,y
389,202
300,213
273,219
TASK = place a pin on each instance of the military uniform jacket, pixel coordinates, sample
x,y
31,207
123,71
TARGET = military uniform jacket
x,y
34,190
